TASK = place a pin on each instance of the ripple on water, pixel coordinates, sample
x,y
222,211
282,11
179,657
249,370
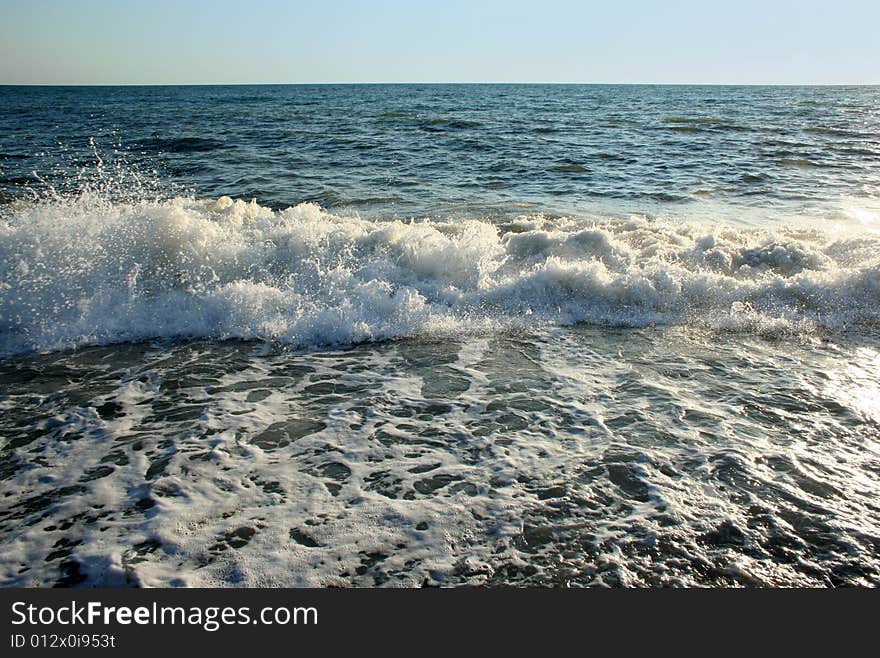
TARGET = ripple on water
x,y
582,456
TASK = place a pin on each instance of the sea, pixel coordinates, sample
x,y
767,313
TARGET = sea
x,y
440,335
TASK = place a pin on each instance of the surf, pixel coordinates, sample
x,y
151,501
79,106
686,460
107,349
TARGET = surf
x,y
87,270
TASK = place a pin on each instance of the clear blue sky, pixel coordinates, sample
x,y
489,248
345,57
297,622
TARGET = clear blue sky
x,y
627,41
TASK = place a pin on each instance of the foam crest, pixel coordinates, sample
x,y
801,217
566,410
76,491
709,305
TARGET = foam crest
x,y
83,271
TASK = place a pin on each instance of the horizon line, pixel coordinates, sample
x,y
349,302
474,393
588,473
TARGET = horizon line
x,y
449,83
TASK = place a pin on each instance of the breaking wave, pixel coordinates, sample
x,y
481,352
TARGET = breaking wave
x,y
88,271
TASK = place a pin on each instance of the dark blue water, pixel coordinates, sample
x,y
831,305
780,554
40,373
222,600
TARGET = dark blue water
x,y
440,335
428,149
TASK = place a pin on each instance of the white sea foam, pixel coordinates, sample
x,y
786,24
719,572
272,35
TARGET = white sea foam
x,y
573,455
86,271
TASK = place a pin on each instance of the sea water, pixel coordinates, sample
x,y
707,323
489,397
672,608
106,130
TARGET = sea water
x,y
410,335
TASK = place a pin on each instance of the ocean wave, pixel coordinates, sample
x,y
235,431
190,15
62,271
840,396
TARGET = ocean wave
x,y
89,271
701,123
179,145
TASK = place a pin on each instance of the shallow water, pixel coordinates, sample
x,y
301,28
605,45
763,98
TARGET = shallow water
x,y
464,335
574,456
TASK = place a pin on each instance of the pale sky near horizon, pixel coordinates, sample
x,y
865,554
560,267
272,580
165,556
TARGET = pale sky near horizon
x,y
273,41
